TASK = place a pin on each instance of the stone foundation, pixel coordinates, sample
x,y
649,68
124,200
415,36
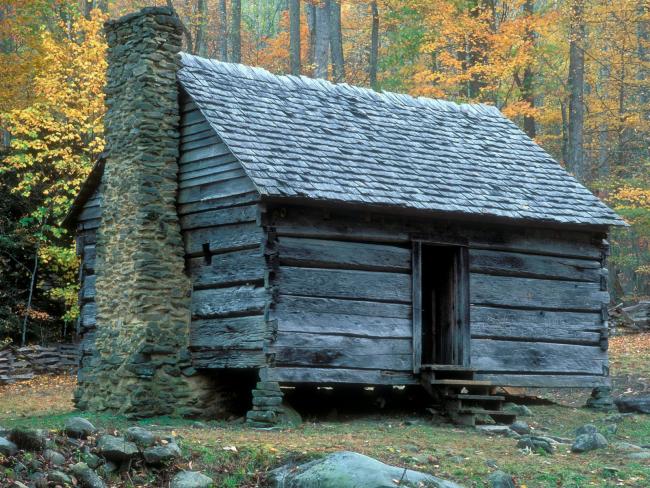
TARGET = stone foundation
x,y
142,367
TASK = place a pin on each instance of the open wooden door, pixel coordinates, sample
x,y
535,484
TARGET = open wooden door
x,y
441,329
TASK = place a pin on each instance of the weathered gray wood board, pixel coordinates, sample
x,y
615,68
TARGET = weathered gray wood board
x,y
223,244
338,375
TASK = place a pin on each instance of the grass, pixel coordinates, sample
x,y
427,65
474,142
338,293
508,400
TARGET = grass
x,y
237,456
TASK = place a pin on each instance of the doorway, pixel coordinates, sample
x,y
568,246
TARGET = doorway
x,y
441,305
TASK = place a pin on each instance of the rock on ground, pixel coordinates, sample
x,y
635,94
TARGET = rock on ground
x,y
28,439
586,429
53,457
191,479
87,477
143,438
161,454
519,410
640,404
499,479
520,427
7,448
116,448
79,427
589,442
351,470
535,443
497,430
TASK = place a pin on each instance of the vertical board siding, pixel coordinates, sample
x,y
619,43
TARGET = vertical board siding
x,y
223,245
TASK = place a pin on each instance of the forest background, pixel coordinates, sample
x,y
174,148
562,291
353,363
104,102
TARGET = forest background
x,y
574,74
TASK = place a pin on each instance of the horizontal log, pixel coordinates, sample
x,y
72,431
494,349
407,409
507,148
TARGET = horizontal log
x,y
188,129
230,358
223,238
234,332
203,153
492,356
202,139
88,315
330,283
88,259
533,266
322,350
237,300
219,189
216,203
90,212
207,167
217,175
546,380
516,292
540,325
236,267
88,225
363,226
290,304
88,288
230,215
337,375
317,253
343,324
192,117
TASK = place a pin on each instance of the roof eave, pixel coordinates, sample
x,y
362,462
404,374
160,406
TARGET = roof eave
x,y
86,191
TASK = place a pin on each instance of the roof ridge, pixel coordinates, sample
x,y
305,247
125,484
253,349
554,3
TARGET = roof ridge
x,y
292,81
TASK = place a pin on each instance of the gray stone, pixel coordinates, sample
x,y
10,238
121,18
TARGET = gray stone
x,y
107,468
586,429
589,442
87,477
520,427
601,399
53,457
351,470
497,430
78,427
143,438
28,439
289,416
191,479
7,448
116,448
535,443
639,404
59,478
639,455
519,410
499,479
626,446
162,454
92,460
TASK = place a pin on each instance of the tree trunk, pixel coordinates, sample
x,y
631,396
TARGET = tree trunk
x,y
527,91
311,24
336,41
201,40
235,31
23,338
643,52
294,37
374,45
321,54
575,152
565,131
223,30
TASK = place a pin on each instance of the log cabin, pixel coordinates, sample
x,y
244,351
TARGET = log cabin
x,y
329,234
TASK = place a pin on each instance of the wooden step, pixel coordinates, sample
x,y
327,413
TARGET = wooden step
x,y
483,411
450,382
469,396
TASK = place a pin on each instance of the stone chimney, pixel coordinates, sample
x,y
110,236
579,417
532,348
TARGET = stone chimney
x,y
142,366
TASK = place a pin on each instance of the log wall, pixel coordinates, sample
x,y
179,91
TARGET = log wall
x,y
218,208
87,225
343,299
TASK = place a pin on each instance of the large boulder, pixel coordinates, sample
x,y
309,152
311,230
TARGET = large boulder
x,y
116,448
351,470
78,427
589,442
639,404
28,439
191,479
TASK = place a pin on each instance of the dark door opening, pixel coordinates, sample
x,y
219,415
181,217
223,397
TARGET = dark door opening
x,y
443,286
